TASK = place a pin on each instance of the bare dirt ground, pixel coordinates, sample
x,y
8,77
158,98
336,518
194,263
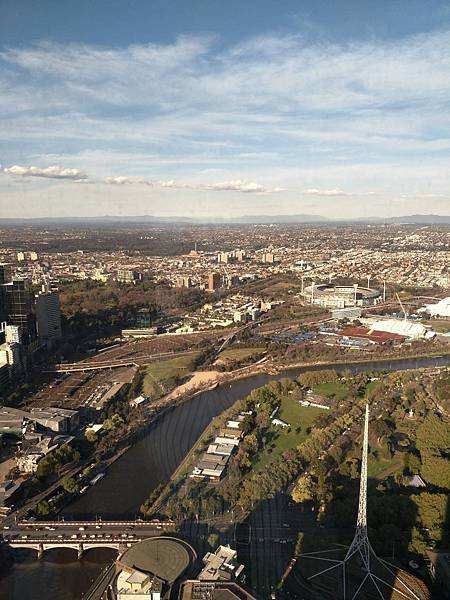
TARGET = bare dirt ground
x,y
5,467
199,380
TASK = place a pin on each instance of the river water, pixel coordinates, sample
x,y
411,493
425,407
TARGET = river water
x,y
59,575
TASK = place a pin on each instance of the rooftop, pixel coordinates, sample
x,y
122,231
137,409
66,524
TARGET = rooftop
x,y
165,557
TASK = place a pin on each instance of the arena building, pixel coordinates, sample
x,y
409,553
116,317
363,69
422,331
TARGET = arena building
x,y
332,296
147,570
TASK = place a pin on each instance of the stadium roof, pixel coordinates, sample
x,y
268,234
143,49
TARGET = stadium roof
x,y
165,557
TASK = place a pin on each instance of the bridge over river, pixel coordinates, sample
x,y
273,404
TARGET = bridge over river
x,y
82,535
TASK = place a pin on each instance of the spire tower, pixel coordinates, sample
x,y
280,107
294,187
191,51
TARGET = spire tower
x,y
360,555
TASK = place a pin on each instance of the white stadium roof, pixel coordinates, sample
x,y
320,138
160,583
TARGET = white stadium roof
x,y
409,329
441,308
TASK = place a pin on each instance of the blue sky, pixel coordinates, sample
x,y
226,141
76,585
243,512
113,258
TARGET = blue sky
x,y
224,108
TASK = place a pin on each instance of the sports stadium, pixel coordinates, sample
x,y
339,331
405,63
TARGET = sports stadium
x,y
329,295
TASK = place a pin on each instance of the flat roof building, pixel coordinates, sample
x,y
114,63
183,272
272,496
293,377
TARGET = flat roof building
x,y
221,565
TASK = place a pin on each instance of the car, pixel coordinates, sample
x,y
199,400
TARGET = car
x,y
5,526
98,527
24,537
81,528
74,536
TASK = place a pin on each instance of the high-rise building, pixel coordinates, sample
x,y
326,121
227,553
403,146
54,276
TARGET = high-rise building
x,y
184,281
214,281
48,316
12,334
4,273
268,258
128,276
224,257
17,300
10,354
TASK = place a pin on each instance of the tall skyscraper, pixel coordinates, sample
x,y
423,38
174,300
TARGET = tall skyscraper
x,y
48,316
18,308
4,273
214,281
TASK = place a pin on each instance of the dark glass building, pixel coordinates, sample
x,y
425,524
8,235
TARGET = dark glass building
x,y
17,301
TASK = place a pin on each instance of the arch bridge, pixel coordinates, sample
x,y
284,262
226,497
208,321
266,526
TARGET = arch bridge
x,y
82,535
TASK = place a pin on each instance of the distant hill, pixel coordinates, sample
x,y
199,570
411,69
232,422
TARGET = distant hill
x,y
248,219
419,219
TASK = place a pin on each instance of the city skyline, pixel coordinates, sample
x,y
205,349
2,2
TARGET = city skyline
x,y
281,110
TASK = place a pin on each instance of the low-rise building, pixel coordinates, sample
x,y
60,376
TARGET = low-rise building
x,y
221,449
280,423
221,565
193,589
35,446
59,420
138,586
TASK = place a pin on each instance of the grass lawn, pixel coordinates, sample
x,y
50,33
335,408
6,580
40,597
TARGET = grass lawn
x,y
161,376
333,389
232,354
376,468
297,416
439,325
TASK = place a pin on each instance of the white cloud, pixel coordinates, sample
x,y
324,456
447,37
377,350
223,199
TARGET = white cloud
x,y
270,112
120,180
236,185
316,192
52,172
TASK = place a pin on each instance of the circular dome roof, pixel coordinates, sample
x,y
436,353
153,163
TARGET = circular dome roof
x,y
165,557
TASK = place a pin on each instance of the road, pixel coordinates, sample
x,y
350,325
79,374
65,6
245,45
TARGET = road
x,y
83,532
114,363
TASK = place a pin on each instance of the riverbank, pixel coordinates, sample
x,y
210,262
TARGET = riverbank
x,y
203,381
271,371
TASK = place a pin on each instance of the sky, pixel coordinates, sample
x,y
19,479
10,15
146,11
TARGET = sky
x,y
211,108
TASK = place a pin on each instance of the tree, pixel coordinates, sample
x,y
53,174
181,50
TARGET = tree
x,y
213,540
43,508
303,489
70,485
113,422
313,378
299,544
91,436
431,509
412,462
433,442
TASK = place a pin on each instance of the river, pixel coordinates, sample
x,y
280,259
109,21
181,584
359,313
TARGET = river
x,y
59,575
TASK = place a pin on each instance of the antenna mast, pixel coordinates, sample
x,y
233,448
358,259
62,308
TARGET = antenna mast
x,y
361,548
401,305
